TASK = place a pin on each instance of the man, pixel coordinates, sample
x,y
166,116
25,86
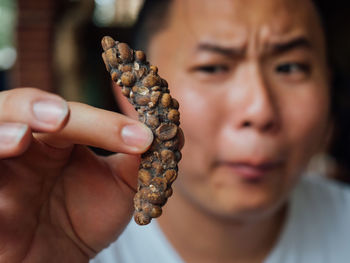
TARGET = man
x,y
253,85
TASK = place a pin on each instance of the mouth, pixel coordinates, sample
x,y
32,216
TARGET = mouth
x,y
250,171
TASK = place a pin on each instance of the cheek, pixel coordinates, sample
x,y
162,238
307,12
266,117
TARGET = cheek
x,y
194,107
196,121
305,123
200,121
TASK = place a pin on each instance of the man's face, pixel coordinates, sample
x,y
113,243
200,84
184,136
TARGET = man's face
x,y
251,79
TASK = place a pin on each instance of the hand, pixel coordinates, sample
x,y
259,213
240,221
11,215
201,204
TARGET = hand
x,y
59,202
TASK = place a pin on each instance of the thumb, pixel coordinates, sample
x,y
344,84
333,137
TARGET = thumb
x,y
125,167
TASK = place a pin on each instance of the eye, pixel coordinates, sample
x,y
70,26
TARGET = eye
x,y
211,69
293,68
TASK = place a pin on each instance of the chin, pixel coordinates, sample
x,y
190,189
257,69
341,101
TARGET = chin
x,y
244,206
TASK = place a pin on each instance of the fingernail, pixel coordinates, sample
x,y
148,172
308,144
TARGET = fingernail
x,y
11,133
50,111
137,135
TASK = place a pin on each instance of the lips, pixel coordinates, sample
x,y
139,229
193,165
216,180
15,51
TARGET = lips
x,y
249,170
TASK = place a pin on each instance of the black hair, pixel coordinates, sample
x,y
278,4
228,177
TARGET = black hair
x,y
335,21
151,19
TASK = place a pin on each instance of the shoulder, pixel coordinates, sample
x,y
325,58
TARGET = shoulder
x,y
322,204
146,244
317,228
322,192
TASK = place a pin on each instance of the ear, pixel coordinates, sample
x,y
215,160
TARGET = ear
x,y
123,103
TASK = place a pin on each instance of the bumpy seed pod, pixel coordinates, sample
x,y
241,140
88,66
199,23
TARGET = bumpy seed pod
x,y
149,94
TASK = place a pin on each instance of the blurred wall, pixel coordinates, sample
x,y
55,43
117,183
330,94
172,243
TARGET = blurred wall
x,y
35,32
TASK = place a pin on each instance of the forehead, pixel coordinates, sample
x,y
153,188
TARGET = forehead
x,y
234,21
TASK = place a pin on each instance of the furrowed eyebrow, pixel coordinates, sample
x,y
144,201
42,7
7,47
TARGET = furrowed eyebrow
x,y
233,52
275,48
297,43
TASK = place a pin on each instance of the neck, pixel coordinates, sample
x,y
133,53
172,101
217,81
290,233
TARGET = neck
x,y
201,237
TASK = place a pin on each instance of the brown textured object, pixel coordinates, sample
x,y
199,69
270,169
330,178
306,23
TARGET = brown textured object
x,y
149,94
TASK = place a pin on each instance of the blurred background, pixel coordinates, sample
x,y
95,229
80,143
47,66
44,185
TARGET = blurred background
x,y
54,45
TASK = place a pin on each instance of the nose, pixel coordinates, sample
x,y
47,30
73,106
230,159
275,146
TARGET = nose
x,y
257,106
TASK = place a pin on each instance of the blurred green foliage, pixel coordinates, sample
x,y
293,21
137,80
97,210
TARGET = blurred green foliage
x,y
7,22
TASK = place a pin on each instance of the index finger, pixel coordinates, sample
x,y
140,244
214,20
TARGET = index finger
x,y
100,128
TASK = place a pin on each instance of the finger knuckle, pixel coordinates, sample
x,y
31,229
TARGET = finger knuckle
x,y
13,100
5,103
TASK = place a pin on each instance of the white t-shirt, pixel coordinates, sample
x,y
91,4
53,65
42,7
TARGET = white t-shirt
x,y
317,231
